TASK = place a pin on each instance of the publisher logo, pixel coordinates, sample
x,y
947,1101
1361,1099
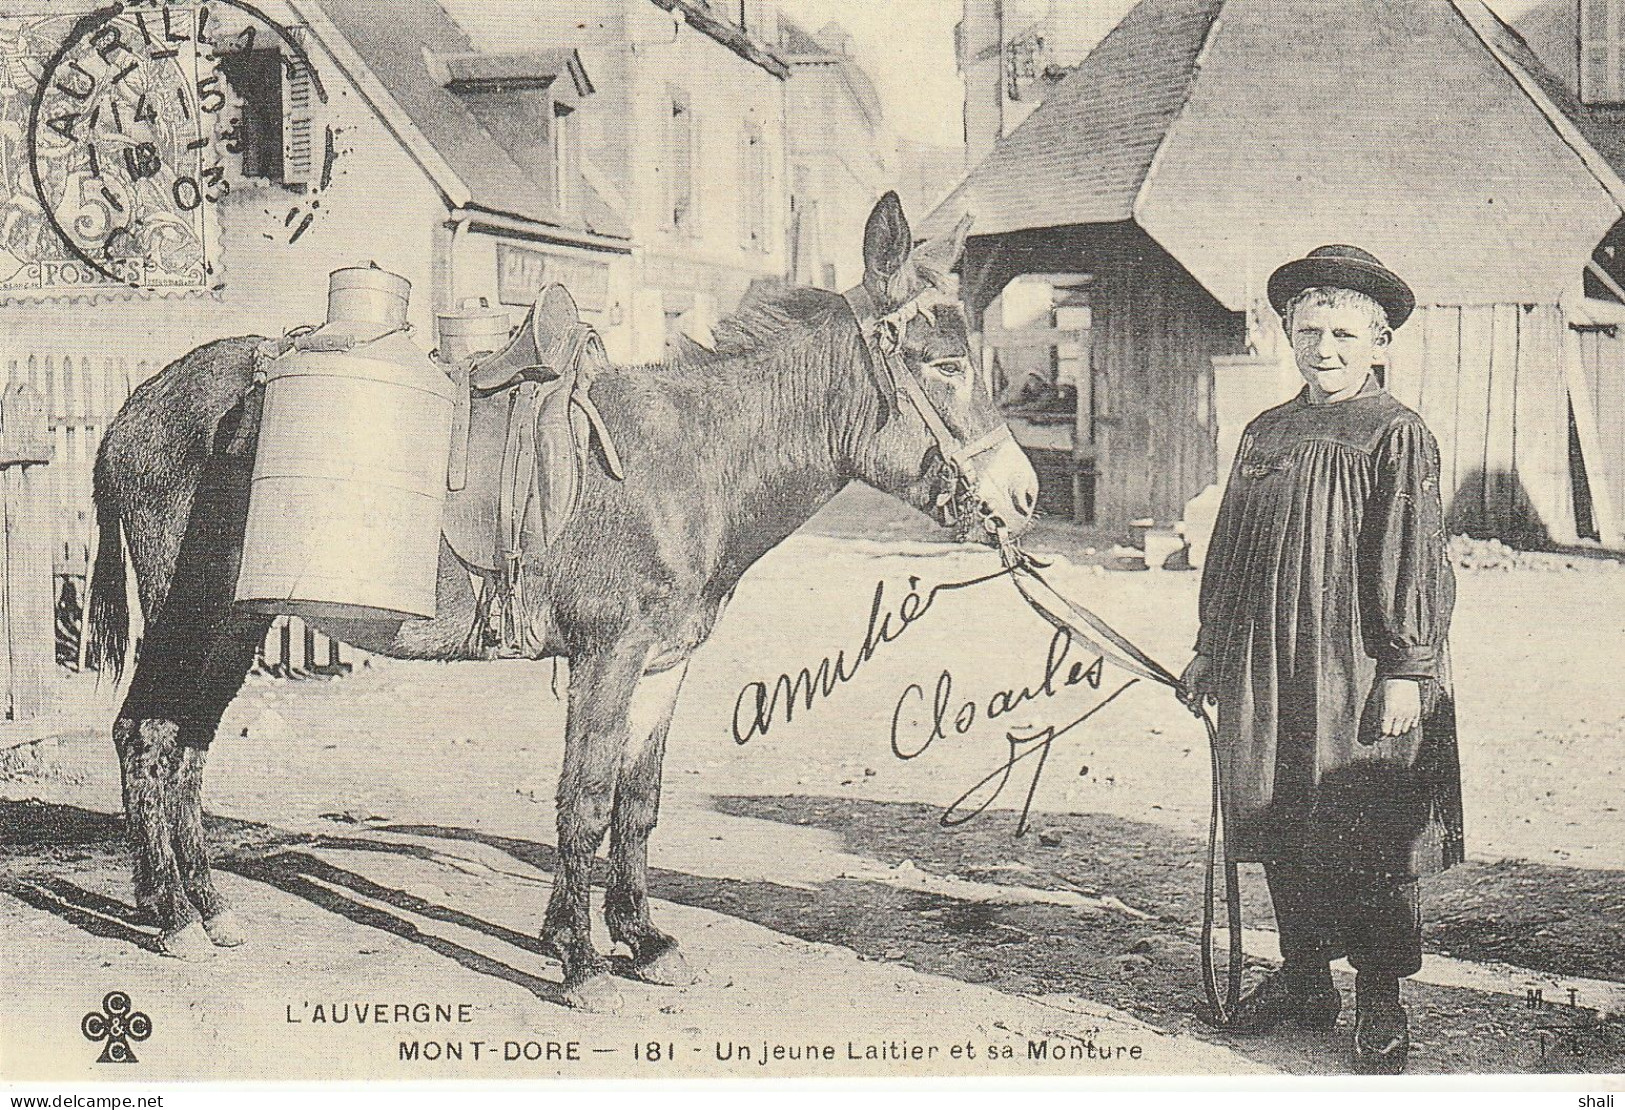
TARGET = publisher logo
x,y
116,1024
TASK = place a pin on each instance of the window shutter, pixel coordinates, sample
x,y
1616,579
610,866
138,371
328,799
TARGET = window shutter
x,y
1602,51
302,133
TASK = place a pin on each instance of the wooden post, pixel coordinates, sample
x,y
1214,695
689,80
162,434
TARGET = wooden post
x,y
1609,530
27,623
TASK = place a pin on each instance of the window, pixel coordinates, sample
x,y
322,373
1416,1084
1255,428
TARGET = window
x,y
753,190
1602,51
680,138
274,127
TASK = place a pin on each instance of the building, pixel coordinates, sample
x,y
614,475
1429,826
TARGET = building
x,y
1204,142
1012,52
842,154
684,142
632,149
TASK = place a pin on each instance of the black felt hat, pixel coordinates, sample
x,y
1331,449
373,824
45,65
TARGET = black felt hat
x,y
1343,267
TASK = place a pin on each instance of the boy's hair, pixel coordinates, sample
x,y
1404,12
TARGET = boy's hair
x,y
1333,296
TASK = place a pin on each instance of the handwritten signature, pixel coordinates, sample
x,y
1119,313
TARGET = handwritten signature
x,y
1024,743
918,722
766,702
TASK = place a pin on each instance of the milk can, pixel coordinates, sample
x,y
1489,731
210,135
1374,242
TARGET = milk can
x,y
473,328
349,475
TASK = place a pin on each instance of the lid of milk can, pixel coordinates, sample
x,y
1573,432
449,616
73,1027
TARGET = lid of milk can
x,y
367,294
473,316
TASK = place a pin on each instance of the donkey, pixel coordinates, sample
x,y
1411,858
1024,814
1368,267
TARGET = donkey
x,y
725,454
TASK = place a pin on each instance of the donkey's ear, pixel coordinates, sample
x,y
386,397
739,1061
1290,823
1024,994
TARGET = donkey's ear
x,y
936,258
887,244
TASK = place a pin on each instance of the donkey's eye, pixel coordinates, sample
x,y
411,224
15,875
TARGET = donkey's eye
x,y
950,367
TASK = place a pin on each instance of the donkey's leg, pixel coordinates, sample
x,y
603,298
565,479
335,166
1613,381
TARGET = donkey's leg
x,y
655,955
229,658
601,687
194,656
149,755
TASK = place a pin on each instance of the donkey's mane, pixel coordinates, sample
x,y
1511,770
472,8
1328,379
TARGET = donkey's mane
x,y
760,324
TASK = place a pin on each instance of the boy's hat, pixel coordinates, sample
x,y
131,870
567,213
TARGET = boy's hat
x,y
1344,267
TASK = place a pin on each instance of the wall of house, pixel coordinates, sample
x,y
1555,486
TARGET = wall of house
x,y
600,282
380,207
637,55
1149,434
1005,47
698,275
85,353
1156,332
841,161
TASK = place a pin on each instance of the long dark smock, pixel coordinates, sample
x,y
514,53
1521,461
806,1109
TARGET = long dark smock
x,y
1328,572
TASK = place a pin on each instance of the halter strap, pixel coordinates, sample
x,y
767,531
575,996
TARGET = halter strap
x,y
882,335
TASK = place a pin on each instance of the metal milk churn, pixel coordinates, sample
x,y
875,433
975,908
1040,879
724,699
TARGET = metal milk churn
x,y
474,329
350,473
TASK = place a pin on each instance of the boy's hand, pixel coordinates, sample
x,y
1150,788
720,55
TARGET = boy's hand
x,y
1196,683
1401,705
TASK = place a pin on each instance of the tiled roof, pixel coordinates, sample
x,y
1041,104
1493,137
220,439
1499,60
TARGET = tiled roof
x,y
397,39
1084,152
1602,127
1303,122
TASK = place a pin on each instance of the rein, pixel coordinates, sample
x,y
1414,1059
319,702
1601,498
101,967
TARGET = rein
x,y
1096,635
959,505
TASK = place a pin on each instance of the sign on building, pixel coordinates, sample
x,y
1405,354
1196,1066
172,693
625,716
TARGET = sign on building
x,y
521,273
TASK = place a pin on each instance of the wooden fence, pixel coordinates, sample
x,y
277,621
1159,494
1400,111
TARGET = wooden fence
x,y
74,400
26,664
293,649
1522,436
1596,367
80,397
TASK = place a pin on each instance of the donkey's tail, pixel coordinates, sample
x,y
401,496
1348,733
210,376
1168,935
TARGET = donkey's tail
x,y
109,608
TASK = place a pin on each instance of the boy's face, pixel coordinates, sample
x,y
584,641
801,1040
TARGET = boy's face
x,y
1336,346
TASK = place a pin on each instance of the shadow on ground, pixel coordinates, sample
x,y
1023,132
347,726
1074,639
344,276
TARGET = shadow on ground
x,y
1146,967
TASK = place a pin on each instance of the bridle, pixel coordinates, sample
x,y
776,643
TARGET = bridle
x,y
959,503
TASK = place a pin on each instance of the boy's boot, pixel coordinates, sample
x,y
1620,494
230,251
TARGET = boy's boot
x,y
1381,1032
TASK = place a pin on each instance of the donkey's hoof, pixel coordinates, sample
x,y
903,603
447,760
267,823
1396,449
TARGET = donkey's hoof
x,y
225,929
668,969
596,995
189,942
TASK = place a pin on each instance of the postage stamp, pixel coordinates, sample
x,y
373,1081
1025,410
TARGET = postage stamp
x,y
551,540
126,126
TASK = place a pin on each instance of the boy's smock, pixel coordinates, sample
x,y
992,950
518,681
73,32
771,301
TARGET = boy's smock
x,y
1327,573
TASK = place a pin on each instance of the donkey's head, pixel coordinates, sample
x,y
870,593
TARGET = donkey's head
x,y
940,442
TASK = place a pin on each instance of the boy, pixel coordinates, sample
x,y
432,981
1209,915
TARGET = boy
x,y
1325,606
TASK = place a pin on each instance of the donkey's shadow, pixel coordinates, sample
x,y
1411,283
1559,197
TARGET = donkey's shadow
x,y
361,900
39,841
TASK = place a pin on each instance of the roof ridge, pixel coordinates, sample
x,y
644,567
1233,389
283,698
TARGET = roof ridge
x,y
1567,130
1190,90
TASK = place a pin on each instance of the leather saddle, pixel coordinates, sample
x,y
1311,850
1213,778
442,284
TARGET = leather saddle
x,y
523,437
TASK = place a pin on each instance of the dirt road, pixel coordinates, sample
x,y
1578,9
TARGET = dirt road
x,y
389,836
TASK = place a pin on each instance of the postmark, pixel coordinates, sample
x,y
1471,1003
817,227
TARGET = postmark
x,y
128,128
